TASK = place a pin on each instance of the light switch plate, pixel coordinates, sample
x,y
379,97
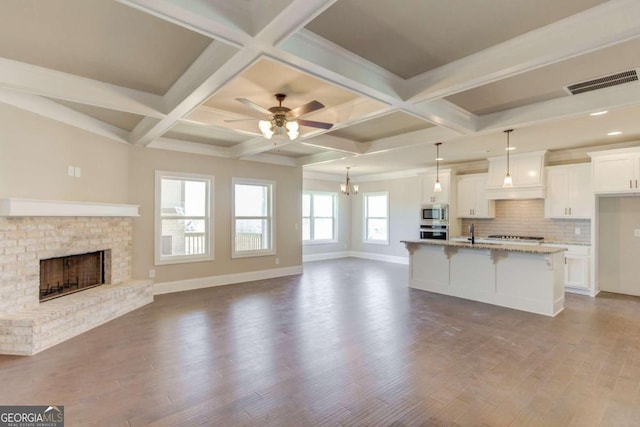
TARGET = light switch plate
x,y
77,172
636,232
71,171
577,230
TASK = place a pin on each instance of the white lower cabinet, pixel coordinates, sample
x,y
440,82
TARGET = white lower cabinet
x,y
577,265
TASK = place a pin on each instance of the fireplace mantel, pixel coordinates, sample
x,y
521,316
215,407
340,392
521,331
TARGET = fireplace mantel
x,y
29,207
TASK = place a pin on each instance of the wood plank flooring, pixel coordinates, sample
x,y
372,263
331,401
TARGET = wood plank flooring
x,y
347,343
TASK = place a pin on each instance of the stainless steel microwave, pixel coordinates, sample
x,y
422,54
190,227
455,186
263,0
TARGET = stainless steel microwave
x,y
439,213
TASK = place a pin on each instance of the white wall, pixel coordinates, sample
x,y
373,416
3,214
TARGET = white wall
x,y
404,216
35,153
322,250
288,213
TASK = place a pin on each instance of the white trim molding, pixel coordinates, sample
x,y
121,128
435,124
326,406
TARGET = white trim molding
x,y
356,254
226,279
31,207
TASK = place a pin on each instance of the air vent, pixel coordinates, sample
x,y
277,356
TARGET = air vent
x,y
602,82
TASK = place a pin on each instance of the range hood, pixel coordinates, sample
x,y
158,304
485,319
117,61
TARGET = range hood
x,y
527,171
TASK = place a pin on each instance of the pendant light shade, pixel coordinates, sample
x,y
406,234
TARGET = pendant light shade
x,y
508,182
437,187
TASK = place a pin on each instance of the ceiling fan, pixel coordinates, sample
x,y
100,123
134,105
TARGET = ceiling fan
x,y
283,119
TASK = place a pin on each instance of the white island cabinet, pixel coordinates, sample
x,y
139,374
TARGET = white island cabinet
x,y
577,265
616,171
528,278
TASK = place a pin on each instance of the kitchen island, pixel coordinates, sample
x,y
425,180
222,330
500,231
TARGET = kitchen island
x,y
528,278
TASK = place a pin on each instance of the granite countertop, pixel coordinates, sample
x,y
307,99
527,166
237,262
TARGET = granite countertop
x,y
533,249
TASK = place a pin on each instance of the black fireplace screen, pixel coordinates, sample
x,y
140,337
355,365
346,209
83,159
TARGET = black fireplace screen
x,y
72,273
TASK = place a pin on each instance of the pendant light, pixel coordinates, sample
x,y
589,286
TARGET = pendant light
x,y
437,187
508,182
347,188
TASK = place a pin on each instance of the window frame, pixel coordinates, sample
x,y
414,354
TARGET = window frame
x,y
335,239
271,217
366,217
209,255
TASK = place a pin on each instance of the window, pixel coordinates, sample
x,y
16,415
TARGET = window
x,y
376,218
183,217
252,218
319,217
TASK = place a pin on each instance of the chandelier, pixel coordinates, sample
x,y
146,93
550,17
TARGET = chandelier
x,y
347,188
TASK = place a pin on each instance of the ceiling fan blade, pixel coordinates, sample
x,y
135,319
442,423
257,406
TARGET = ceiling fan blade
x,y
306,108
253,105
311,123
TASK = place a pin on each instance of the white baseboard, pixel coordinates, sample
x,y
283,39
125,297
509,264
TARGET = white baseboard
x,y
380,257
328,255
227,279
356,254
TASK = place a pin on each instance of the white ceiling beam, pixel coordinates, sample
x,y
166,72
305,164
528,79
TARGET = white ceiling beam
x,y
199,16
445,113
325,157
256,146
610,23
419,137
291,19
570,106
52,110
334,143
319,57
218,64
56,84
189,147
273,159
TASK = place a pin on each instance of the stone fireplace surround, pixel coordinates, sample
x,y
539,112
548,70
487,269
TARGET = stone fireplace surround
x,y
33,230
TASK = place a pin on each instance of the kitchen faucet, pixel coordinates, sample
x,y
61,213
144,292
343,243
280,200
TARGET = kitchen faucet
x,y
472,230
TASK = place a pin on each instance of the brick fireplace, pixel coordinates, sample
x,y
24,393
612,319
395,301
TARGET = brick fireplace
x,y
34,244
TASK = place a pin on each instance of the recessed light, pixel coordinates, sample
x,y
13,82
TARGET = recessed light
x,y
439,159
510,149
614,133
599,113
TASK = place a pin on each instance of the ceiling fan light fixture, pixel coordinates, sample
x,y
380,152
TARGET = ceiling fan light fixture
x,y
292,129
266,128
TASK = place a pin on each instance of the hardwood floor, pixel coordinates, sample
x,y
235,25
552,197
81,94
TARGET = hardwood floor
x,y
347,343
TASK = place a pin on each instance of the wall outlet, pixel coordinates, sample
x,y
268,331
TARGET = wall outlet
x,y
577,231
636,232
277,260
71,171
296,226
152,273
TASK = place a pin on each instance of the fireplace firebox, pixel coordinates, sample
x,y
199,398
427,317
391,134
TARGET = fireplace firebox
x,y
72,273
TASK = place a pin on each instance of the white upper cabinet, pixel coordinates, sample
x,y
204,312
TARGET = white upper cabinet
x,y
569,193
472,197
616,171
427,181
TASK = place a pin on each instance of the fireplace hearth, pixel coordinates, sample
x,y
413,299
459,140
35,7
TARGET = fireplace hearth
x,y
73,273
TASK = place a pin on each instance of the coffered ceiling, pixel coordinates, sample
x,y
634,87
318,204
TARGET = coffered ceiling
x,y
394,77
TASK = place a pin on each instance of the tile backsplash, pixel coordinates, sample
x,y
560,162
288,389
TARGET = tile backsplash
x,y
526,218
